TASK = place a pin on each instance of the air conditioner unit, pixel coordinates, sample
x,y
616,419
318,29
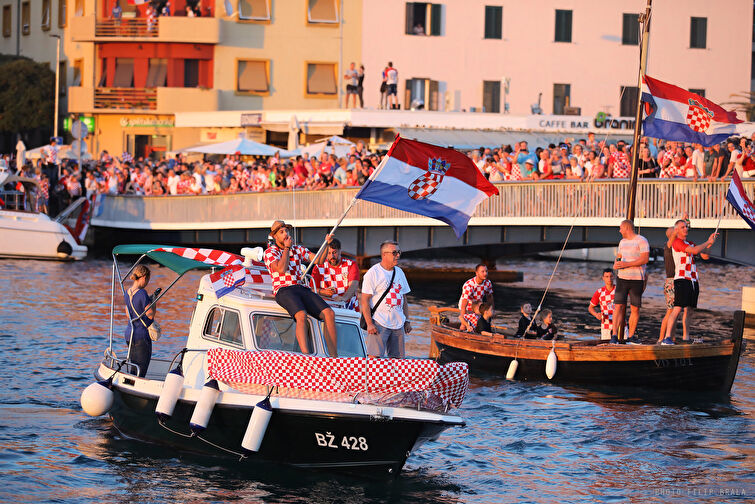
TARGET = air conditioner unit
x,y
572,110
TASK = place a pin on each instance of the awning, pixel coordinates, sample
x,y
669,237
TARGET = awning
x,y
472,139
168,259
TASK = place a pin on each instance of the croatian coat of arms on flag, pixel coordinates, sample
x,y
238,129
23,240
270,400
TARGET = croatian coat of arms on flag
x,y
698,116
425,185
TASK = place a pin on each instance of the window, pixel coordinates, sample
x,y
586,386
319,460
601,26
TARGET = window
x,y
62,13
252,77
321,79
7,21
493,22
424,18
421,94
191,73
46,14
563,25
26,18
628,105
223,325
322,11
698,31
491,96
257,10
63,76
78,8
561,95
78,70
276,332
349,339
157,73
698,92
630,29
124,72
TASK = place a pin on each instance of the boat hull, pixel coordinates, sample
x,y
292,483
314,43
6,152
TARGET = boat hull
x,y
36,236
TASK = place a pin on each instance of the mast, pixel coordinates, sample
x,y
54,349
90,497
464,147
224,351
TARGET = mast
x,y
632,197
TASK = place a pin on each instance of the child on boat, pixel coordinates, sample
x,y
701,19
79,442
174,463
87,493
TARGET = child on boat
x,y
469,320
486,316
524,322
545,328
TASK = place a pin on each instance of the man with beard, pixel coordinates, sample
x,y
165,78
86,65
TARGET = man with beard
x,y
337,278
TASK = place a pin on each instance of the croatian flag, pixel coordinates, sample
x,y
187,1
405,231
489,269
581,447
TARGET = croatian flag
x,y
137,2
428,180
228,279
739,200
676,114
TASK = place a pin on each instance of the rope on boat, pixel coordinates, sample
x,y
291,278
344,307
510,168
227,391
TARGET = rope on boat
x,y
162,424
238,454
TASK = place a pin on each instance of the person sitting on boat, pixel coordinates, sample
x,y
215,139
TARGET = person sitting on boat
x,y
284,260
475,290
603,298
633,255
468,321
337,278
525,321
545,328
137,332
686,285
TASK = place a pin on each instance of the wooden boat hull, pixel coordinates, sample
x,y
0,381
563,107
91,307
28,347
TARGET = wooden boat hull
x,y
695,367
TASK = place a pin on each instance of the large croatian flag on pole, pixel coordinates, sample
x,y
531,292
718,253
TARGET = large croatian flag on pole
x,y
428,180
739,200
676,114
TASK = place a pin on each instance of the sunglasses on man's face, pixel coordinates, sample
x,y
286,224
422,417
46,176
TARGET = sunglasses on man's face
x,y
393,252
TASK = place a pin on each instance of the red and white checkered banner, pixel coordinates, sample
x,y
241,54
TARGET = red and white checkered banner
x,y
394,381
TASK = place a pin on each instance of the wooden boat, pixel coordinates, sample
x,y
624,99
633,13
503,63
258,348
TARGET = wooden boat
x,y
709,366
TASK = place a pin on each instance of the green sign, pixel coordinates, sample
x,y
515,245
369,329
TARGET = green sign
x,y
89,121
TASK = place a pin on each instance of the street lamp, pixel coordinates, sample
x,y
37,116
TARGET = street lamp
x,y
57,85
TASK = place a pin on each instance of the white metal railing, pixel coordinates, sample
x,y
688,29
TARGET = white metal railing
x,y
518,202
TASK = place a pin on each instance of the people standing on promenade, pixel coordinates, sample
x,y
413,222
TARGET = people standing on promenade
x,y
391,81
284,260
137,332
633,255
476,290
686,284
604,299
337,278
389,323
352,80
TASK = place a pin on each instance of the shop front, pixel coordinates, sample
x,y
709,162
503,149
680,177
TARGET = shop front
x,y
143,136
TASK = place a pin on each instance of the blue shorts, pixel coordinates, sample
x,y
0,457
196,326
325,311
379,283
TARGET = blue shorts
x,y
296,298
392,89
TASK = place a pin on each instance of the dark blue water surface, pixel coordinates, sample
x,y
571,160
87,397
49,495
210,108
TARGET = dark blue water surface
x,y
524,442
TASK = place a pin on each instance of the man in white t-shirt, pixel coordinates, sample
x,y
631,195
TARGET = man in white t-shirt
x,y
633,255
391,76
388,325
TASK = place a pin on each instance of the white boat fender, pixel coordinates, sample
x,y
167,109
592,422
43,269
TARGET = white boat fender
x,y
202,411
550,364
255,430
172,387
512,369
97,398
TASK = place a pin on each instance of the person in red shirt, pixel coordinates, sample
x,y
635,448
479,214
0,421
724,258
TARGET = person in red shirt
x,y
603,299
337,278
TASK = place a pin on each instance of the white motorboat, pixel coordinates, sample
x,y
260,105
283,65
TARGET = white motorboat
x,y
26,233
243,388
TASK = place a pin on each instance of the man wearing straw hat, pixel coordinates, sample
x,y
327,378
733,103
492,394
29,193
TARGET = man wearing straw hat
x,y
284,260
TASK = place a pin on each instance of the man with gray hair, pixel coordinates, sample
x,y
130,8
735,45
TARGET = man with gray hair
x,y
383,304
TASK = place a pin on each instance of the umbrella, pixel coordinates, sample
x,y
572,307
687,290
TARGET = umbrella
x,y
335,144
239,146
64,152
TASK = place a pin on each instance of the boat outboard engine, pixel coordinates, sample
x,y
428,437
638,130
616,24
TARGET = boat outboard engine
x,y
172,387
202,411
97,398
255,430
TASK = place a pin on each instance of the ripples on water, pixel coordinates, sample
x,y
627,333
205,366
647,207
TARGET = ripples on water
x,y
524,442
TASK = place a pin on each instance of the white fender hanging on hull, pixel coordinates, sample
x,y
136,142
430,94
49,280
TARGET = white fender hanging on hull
x,y
202,411
255,430
174,383
97,398
512,369
550,364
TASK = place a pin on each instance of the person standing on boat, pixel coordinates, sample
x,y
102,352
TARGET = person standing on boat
x,y
137,332
337,278
634,253
603,298
284,260
389,324
476,290
686,285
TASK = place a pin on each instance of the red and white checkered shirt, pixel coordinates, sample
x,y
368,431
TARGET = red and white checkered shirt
x,y
471,320
327,276
621,165
296,257
684,263
474,292
604,298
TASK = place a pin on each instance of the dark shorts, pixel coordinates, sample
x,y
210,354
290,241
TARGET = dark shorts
x,y
351,89
296,298
686,293
391,89
629,288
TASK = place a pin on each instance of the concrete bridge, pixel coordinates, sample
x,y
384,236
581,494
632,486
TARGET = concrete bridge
x,y
527,217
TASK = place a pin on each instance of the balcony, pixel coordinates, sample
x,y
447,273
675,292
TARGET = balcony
x,y
162,100
196,30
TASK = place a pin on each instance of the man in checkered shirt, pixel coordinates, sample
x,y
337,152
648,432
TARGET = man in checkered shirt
x,y
476,290
284,261
686,286
603,299
337,278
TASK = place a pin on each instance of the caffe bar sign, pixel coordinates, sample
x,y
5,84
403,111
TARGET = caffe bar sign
x,y
145,122
601,121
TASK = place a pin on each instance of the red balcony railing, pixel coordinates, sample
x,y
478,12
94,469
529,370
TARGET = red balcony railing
x,y
125,98
129,27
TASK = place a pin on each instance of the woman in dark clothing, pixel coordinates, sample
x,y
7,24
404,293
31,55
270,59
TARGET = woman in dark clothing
x,y
360,86
137,333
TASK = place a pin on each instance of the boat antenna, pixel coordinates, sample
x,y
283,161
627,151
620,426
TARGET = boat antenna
x,y
631,199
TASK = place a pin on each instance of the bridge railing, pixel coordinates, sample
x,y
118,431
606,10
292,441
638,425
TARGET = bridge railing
x,y
656,199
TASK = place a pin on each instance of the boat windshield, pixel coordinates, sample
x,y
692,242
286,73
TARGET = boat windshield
x,y
349,340
276,332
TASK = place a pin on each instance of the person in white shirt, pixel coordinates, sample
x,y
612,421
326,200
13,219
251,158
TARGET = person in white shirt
x,y
388,325
631,261
173,182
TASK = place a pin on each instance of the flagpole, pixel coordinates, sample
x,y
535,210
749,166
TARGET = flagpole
x,y
631,200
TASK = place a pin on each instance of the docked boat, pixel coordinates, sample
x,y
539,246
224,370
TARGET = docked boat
x,y
241,387
709,366
29,234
